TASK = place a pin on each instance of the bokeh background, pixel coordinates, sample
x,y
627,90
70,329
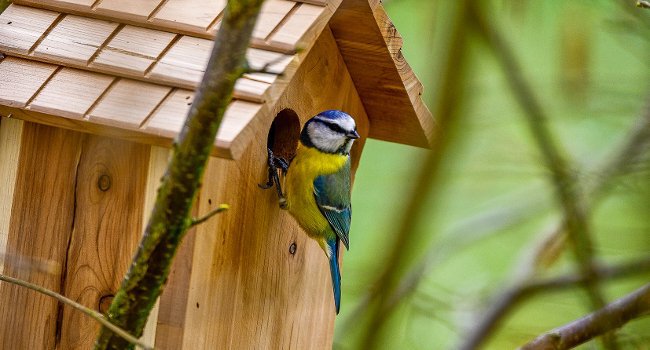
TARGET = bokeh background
x,y
588,63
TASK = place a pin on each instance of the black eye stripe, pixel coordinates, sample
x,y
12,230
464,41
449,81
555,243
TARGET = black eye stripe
x,y
334,127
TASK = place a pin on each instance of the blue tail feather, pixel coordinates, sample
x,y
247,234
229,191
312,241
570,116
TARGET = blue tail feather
x,y
334,270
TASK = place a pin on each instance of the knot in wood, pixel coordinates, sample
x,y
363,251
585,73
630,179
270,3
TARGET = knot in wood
x,y
292,248
104,182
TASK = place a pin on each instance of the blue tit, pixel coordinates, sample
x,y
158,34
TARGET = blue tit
x,y
317,185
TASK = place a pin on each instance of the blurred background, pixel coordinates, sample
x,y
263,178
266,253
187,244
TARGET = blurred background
x,y
491,215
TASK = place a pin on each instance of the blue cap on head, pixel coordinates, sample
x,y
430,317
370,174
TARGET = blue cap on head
x,y
333,114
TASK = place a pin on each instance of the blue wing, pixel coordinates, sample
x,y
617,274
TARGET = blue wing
x,y
332,193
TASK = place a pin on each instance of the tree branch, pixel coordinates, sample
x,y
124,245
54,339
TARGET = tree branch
x,y
170,217
520,292
89,312
612,316
567,193
643,4
206,217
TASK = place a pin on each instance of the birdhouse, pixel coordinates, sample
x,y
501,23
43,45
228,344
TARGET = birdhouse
x,y
92,94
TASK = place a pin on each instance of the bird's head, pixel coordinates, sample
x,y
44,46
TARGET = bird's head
x,y
330,132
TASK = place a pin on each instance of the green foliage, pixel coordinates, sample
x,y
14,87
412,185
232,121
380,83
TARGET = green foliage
x,y
587,62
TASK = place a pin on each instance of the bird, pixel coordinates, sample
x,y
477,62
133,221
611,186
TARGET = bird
x,y
318,185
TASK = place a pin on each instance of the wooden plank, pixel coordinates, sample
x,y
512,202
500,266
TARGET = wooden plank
x,y
185,62
11,133
169,118
237,117
251,90
137,11
20,79
75,40
132,51
198,18
158,159
292,31
109,193
372,45
40,229
70,93
128,103
21,27
271,14
277,62
66,5
195,15
243,271
174,301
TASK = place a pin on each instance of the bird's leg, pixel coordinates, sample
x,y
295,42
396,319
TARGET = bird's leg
x,y
274,179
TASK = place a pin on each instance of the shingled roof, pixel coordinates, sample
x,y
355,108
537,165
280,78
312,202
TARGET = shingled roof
x,y
129,68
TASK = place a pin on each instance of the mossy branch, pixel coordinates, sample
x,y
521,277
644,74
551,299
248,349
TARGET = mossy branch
x,y
170,218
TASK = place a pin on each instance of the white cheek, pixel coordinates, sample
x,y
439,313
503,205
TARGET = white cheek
x,y
324,139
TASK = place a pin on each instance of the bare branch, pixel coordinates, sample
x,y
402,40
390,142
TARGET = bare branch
x,y
91,313
568,195
643,4
508,300
220,209
612,316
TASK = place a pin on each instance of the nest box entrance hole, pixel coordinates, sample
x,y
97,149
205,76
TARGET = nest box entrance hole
x,y
284,134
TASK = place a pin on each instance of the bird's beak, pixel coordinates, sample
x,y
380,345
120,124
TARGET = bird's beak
x,y
353,134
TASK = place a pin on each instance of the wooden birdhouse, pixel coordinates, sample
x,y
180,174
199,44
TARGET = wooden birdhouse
x,y
92,93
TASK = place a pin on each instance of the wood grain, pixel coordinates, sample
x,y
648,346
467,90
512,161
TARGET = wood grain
x,y
70,93
169,118
196,18
21,27
127,9
158,159
128,103
132,51
75,40
195,15
392,97
11,133
256,293
109,194
41,221
21,79
173,301
272,13
290,33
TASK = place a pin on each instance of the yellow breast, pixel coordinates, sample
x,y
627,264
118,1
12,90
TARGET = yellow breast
x,y
308,164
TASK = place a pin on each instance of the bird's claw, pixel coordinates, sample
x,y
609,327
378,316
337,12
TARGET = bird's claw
x,y
273,178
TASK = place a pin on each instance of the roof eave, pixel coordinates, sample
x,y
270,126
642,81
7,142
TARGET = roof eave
x,y
390,91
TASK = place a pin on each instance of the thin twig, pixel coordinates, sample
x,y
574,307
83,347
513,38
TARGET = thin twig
x,y
91,313
643,4
204,218
618,165
612,316
568,195
518,293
